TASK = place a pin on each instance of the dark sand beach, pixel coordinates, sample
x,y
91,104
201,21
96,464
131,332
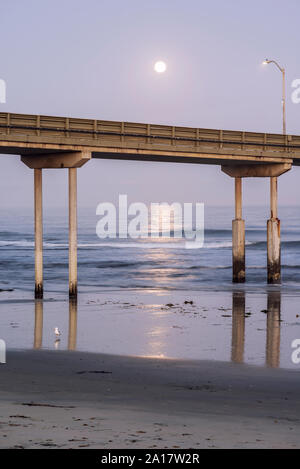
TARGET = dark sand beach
x,y
80,400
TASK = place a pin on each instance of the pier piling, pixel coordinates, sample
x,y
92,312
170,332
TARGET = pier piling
x,y
273,236
72,232
238,172
63,160
238,237
38,232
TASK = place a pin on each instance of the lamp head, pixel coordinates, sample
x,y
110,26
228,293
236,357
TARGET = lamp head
x,y
266,62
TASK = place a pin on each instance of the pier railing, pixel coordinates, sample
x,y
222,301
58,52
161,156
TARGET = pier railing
x,y
93,132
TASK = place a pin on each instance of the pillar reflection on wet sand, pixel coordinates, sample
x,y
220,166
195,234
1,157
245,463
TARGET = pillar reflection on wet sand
x,y
38,324
238,326
273,330
72,324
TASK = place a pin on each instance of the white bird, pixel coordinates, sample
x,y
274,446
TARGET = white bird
x,y
57,332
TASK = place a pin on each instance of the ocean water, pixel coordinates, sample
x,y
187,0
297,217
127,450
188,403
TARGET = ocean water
x,y
152,297
160,263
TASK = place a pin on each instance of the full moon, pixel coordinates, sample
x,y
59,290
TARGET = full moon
x,y
160,66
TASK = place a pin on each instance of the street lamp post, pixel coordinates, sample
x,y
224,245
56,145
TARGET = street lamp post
x,y
282,70
273,226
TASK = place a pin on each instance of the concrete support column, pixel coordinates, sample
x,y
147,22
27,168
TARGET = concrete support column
x,y
72,232
238,237
273,236
38,232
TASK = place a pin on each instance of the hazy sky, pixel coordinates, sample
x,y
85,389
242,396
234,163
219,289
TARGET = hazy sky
x,y
94,58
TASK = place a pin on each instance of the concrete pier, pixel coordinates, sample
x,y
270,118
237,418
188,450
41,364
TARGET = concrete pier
x,y
38,232
238,237
73,232
71,161
70,143
273,236
238,172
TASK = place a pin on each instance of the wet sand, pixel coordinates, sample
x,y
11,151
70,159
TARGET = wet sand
x,y
63,399
252,327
